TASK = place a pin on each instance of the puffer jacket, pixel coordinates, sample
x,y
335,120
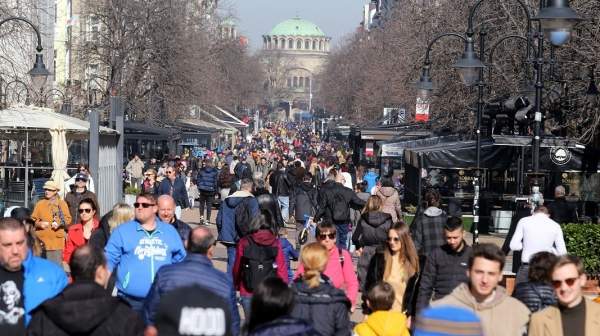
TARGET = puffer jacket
x,y
444,270
324,307
326,201
85,308
500,316
370,233
207,179
535,295
226,215
304,201
391,202
383,323
284,326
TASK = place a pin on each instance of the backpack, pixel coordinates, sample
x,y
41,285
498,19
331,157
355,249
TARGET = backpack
x,y
340,211
258,263
243,217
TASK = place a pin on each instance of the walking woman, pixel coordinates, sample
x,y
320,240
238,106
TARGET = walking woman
x,y
79,234
150,184
51,216
391,199
370,233
398,265
317,301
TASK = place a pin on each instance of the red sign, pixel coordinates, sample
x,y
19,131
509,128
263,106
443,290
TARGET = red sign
x,y
422,110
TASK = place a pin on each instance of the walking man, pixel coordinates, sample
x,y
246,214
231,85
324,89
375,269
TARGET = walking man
x,y
138,248
174,186
561,211
79,193
536,233
575,315
135,169
207,185
166,213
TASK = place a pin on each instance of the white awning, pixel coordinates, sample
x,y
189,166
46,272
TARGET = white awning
x,y
30,117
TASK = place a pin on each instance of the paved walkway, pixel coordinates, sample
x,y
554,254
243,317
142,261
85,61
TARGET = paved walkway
x,y
192,217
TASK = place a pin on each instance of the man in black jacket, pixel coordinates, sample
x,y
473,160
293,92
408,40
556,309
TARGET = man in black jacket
x,y
85,307
562,211
334,203
446,267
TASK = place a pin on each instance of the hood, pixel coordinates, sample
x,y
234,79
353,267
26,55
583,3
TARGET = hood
x,y
236,198
433,212
325,293
387,323
386,191
376,218
463,294
264,237
80,308
306,186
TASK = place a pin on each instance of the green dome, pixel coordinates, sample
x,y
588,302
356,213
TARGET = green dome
x,y
297,27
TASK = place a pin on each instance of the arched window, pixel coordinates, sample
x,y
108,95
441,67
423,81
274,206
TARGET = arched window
x,y
321,45
301,82
307,45
295,81
299,44
290,44
282,43
276,44
314,45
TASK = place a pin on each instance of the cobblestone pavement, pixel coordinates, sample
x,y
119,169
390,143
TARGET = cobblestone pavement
x,y
192,217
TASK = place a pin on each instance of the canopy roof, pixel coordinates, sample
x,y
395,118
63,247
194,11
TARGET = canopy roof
x,y
39,118
297,27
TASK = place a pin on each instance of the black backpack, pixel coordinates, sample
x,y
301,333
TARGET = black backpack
x,y
258,263
243,217
340,210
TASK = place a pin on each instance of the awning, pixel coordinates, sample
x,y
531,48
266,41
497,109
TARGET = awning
x,y
396,148
31,118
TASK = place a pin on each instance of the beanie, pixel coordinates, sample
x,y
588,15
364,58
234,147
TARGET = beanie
x,y
448,321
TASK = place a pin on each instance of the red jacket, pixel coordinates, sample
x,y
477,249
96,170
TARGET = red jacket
x,y
75,239
261,237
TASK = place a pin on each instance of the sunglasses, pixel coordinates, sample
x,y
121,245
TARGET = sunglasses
x,y
52,190
80,180
393,239
570,282
323,236
88,210
168,172
143,205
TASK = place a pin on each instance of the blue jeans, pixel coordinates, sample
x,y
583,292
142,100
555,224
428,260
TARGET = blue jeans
x,y
230,259
342,235
284,204
246,302
137,304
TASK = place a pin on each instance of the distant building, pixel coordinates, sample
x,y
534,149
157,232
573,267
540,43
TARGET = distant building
x,y
295,51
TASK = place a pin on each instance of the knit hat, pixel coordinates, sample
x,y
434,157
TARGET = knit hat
x,y
447,321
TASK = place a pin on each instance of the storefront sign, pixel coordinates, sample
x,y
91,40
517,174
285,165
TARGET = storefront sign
x,y
560,155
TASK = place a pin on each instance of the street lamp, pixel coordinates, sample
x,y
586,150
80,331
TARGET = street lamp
x,y
424,86
557,20
592,90
469,66
39,74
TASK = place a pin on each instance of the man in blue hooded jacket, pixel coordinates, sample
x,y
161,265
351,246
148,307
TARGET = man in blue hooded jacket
x,y
25,280
226,220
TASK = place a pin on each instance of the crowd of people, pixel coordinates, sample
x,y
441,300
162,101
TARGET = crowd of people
x,y
141,270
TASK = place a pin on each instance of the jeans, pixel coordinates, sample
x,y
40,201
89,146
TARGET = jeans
x,y
206,201
284,204
342,235
137,304
246,302
230,259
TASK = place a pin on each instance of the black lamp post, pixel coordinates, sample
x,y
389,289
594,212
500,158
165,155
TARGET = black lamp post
x,y
39,74
592,90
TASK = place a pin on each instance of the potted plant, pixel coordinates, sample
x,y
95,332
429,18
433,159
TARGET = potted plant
x,y
131,193
583,241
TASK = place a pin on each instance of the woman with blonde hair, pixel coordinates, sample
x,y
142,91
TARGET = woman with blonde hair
x,y
370,233
398,265
119,214
317,301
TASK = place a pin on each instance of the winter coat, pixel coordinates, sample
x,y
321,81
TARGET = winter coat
x,y
370,233
73,198
85,308
535,295
100,236
224,179
562,211
195,269
375,274
290,253
262,238
284,326
135,168
427,230
391,202
179,192
324,307
76,239
282,183
341,277
226,215
207,179
43,279
242,170
49,211
444,270
304,201
548,322
268,203
371,179
383,323
183,229
326,201
501,316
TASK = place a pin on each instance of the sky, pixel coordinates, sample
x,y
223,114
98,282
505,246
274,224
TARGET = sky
x,y
337,18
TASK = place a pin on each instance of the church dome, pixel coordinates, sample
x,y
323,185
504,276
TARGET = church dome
x,y
297,27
